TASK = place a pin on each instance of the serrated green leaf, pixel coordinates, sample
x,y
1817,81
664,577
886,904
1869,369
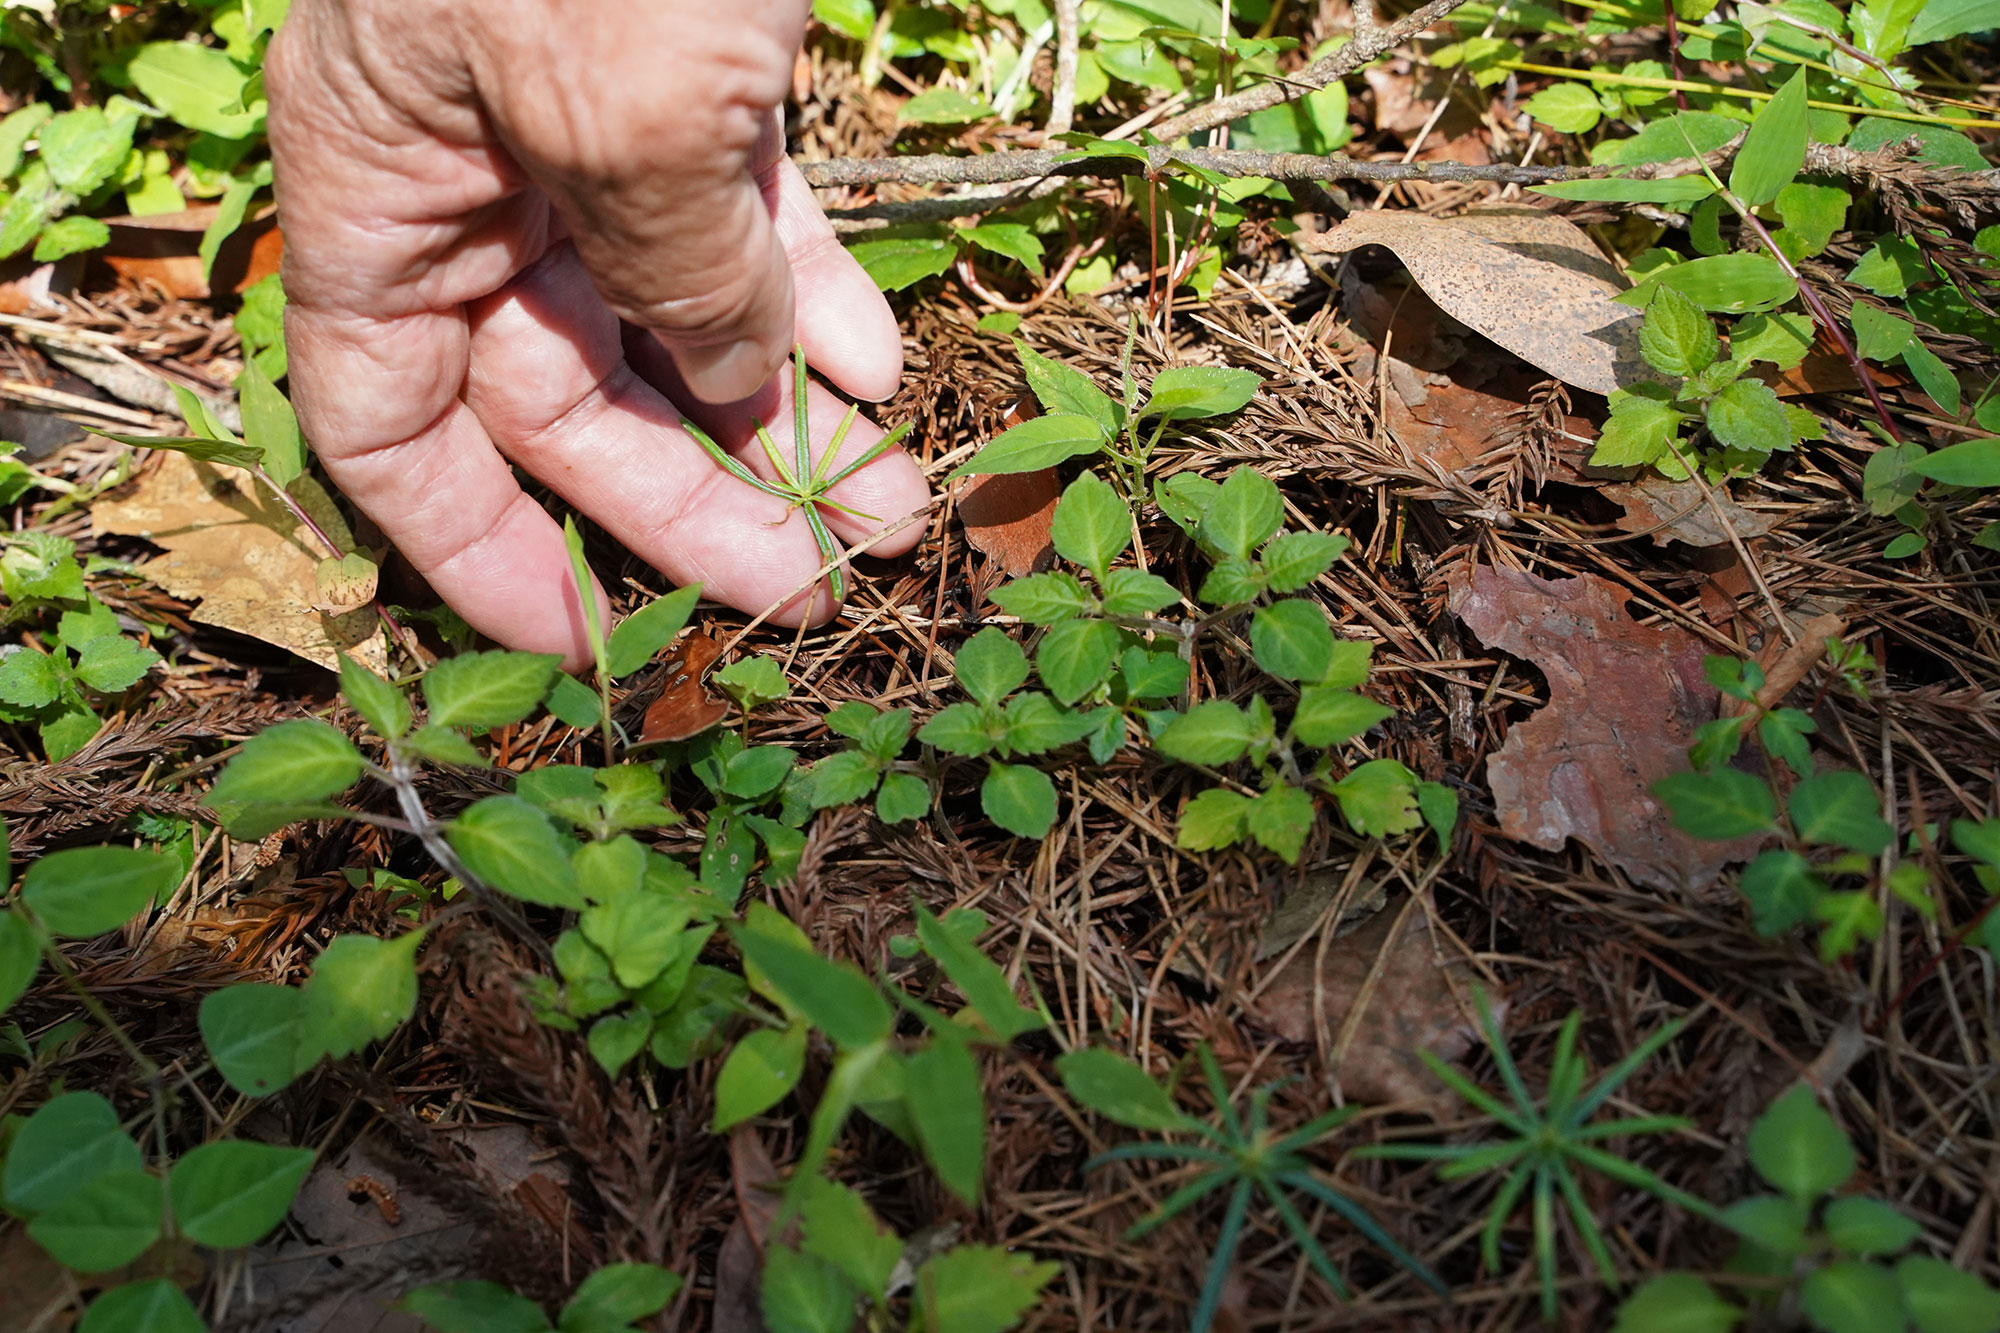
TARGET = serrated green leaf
x,y
1020,799
510,845
1091,526
1043,599
1727,803
1062,388
361,990
381,705
1291,640
1840,808
1243,515
1075,657
488,689
1184,393
1678,338
1212,732
300,760
1796,1146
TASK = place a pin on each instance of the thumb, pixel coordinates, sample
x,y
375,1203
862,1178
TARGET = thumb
x,y
668,198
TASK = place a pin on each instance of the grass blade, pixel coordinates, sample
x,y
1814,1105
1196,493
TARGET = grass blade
x,y
730,462
1225,1249
1308,1242
1178,1202
874,451
1615,1077
1586,1226
1497,1214
1317,1128
1359,1218
830,549
1158,1152
801,440
1545,1241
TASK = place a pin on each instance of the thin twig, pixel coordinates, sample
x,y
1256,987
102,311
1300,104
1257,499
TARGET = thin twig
x,y
1062,97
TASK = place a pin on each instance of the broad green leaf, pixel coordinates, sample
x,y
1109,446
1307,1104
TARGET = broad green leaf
x,y
381,705
70,1140
1379,799
1968,463
1770,1221
1676,1303
757,771
301,760
1151,674
1213,732
854,19
1243,515
1748,416
1062,388
1134,592
1293,560
1214,819
753,681
270,426
228,1194
760,1070
489,689
840,1228
896,258
1978,839
834,997
361,990
802,1293
978,978
1667,139
948,1106
978,1289
1840,808
1775,148
86,891
1077,656
617,1296
1327,717
1932,375
842,779
252,1032
1043,599
84,147
1186,393
1626,190
1878,334
29,679
1796,1146
1727,803
103,1224
513,848
1812,214
1185,497
153,1306
1291,640
1114,1087
20,953
1280,819
16,128
652,627
943,106
1732,284
1941,1299
1091,526
1779,337
1846,919
70,236
615,1040
1861,1226
1678,337
1942,20
901,798
1848,1296
1020,799
1234,581
442,745
196,85
966,729
1781,888
1009,240
473,1307
990,665
1567,108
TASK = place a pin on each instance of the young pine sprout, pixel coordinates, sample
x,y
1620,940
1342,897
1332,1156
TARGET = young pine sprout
x,y
802,483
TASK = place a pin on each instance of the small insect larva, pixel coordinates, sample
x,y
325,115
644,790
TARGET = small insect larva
x,y
384,1197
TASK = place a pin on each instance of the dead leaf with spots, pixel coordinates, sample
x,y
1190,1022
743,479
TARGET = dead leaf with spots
x,y
1679,511
232,546
1623,704
685,707
1524,278
1370,1000
1007,516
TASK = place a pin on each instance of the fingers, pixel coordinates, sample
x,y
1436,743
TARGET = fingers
x,y
651,134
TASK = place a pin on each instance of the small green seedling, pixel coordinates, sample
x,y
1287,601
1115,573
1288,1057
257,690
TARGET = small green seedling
x,y
804,484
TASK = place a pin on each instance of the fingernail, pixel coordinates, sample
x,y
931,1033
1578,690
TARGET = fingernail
x,y
726,372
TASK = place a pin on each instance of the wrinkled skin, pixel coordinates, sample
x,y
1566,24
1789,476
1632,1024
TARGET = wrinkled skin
x,y
539,233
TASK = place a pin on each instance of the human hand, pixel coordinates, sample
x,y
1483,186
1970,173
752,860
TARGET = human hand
x,y
540,232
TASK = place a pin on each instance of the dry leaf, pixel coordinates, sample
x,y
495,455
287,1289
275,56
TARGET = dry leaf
x,y
685,707
1007,516
1623,705
1390,969
233,546
1679,511
738,1288
163,249
1525,278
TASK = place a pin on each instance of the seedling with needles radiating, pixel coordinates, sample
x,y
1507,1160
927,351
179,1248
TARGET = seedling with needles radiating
x,y
801,483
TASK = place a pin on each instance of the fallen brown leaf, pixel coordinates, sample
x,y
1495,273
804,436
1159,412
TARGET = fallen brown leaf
x,y
1374,998
163,249
1785,664
1623,705
1524,278
230,543
1007,517
685,707
739,1265
1678,511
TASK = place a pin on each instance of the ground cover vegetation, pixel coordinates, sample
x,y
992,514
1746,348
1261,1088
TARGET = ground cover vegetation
x,y
1434,769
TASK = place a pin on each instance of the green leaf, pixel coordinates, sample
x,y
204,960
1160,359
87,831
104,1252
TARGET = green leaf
x,y
980,980
1186,393
1727,803
230,1193
1293,560
1775,147
1942,20
1076,657
70,1140
834,997
16,129
900,257
943,106
103,1224
1848,1296
1020,799
757,771
1119,1090
29,679
1678,338
473,1307
20,952
1932,375
1233,582
1185,497
1214,819
1291,640
841,779
753,681
1725,284
1149,674
1781,888
1567,108
86,891
1846,919
153,1306
617,1296
948,1106
1796,1146
1009,240
1133,592
1639,431
196,85
902,798
801,1293
1878,334
1280,819
840,1228
1676,1303
762,1068
1327,717
1941,1299
1626,190
652,627
966,729
1860,1226
84,147
850,18
229,212
1968,463
1043,599
1062,388
1812,214
1213,732
1379,799
381,705
1243,515
1748,416
510,845
990,665
1840,808
1771,1222
1091,526
361,990
616,1039
442,745
488,689
1779,337
301,760
1979,840
978,1289
252,1032
72,235
270,426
